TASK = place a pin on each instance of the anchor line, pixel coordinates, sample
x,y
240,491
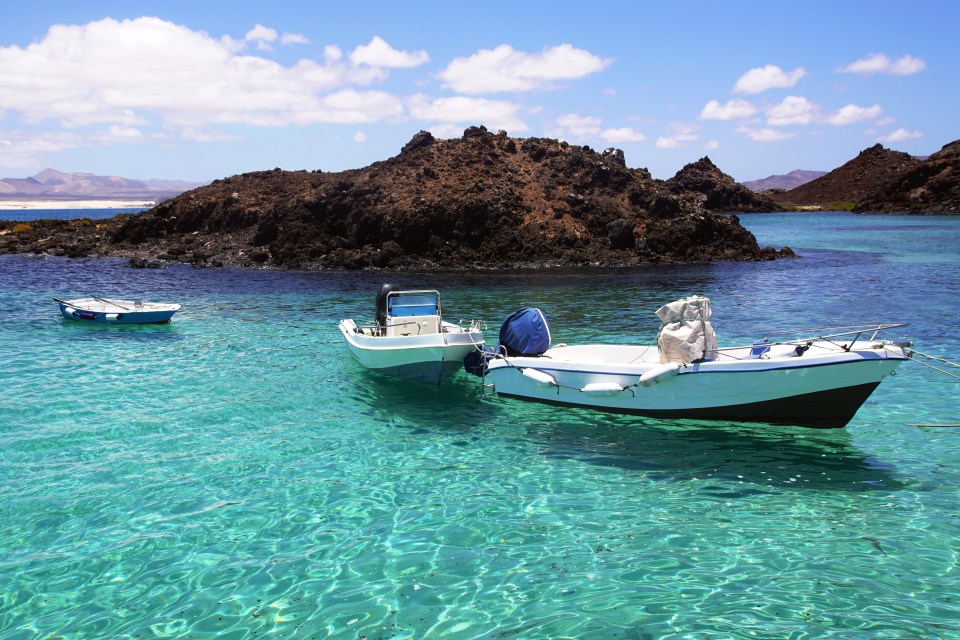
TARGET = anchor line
x,y
910,353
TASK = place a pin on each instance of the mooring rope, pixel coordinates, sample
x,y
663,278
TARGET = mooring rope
x,y
910,352
929,357
932,425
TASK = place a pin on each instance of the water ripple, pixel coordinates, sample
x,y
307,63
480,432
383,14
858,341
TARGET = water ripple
x,y
234,474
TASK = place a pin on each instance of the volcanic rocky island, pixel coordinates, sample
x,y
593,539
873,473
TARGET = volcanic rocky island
x,y
481,201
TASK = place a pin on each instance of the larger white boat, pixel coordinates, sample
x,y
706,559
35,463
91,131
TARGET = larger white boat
x,y
813,377
410,339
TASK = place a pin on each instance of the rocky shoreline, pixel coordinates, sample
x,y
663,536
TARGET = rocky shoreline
x,y
482,201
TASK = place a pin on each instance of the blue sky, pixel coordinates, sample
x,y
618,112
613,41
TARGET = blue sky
x,y
202,90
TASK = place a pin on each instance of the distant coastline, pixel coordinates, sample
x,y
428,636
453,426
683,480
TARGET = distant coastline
x,y
24,204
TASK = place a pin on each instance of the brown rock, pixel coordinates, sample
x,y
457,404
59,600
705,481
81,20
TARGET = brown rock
x,y
930,186
865,174
722,192
481,201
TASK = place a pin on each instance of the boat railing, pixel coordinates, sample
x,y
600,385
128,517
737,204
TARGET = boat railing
x,y
381,329
834,335
466,326
819,333
474,325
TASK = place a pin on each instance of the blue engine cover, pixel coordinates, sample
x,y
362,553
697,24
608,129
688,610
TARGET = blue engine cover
x,y
525,333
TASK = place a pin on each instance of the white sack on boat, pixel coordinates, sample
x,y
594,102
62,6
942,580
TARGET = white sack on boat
x,y
687,333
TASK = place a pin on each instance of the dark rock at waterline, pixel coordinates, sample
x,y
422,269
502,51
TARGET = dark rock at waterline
x,y
481,201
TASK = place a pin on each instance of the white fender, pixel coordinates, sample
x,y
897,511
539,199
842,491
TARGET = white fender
x,y
541,378
112,317
659,374
602,389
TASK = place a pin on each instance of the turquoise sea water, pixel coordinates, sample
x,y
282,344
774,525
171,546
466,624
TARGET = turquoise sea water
x,y
235,474
26,215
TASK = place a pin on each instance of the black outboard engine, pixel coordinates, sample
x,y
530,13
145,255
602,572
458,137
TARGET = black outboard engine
x,y
382,304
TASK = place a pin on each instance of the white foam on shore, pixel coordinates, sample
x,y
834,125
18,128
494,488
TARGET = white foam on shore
x,y
76,204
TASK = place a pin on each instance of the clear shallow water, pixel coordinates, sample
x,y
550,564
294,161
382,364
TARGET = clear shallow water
x,y
27,215
235,474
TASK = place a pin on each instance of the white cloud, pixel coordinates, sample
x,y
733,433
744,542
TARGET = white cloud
x,y
899,135
765,134
128,134
359,136
622,134
446,131
352,107
711,145
680,134
20,149
577,126
147,70
494,114
792,110
205,135
506,69
770,76
294,38
880,63
731,110
574,126
852,113
380,54
262,35
907,66
666,142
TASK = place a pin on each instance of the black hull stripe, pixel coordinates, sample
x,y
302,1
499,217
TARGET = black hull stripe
x,y
831,409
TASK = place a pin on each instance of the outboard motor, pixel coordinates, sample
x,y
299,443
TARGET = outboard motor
x,y
382,304
525,333
476,361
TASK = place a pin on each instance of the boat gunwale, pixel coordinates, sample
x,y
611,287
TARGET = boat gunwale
x,y
738,367
92,304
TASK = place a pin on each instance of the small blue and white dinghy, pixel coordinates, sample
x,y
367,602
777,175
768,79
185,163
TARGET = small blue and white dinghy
x,y
94,309
809,377
410,339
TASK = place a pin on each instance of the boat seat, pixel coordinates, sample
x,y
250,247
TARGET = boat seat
x,y
413,326
775,351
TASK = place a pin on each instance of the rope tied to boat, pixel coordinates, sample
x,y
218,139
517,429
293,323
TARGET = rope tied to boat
x,y
909,353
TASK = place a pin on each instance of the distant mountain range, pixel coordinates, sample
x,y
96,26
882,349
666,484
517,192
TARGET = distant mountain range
x,y
790,181
51,184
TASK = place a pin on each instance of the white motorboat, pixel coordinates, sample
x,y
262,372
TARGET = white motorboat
x,y
94,309
813,377
410,339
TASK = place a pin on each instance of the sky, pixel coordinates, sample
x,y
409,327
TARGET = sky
x,y
202,90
